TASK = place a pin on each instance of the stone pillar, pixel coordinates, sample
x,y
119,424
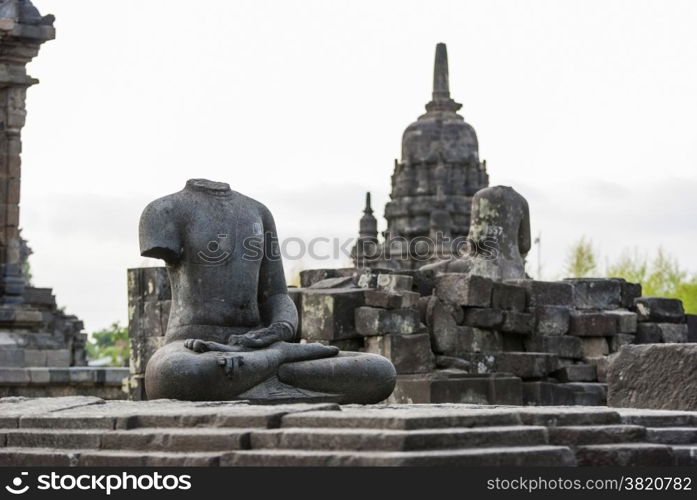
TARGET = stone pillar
x,y
22,31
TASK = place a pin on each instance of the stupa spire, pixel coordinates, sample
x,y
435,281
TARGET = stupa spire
x,y
441,83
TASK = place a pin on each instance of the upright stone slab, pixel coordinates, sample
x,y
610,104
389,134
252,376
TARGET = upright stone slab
x,y
659,376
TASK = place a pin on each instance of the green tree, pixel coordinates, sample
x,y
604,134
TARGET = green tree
x,y
110,342
581,261
663,277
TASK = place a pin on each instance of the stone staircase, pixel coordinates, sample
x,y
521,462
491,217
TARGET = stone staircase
x,y
87,431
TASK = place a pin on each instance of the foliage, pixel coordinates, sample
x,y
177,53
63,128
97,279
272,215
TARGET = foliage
x,y
581,261
662,277
110,342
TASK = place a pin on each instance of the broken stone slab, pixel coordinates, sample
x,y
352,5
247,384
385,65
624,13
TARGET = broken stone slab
x,y
626,320
371,321
592,324
329,314
395,282
546,293
659,310
596,293
551,320
659,376
464,290
508,297
408,353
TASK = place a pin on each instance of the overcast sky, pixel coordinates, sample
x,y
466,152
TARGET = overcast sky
x,y
586,108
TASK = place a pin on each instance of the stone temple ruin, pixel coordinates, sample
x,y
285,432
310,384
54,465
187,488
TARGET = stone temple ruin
x,y
470,336
492,367
42,349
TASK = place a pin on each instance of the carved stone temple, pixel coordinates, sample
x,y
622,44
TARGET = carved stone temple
x,y
39,344
432,186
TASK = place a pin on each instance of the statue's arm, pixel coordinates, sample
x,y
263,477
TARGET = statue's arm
x,y
158,232
275,304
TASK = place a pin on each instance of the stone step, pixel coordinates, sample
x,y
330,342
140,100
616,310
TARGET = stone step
x,y
672,435
55,457
511,456
596,434
151,439
406,417
625,454
397,440
657,418
553,416
685,455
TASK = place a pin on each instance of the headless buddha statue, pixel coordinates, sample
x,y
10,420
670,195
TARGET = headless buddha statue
x,y
232,325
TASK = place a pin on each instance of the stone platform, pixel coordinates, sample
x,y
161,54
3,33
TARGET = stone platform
x,y
52,381
88,431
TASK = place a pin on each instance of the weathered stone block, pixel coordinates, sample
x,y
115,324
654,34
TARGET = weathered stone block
x,y
395,282
564,346
660,310
142,350
375,321
659,376
583,324
408,353
626,320
648,333
617,341
551,320
329,314
424,280
546,293
464,290
691,327
461,340
547,394
515,322
433,388
602,365
630,292
34,357
58,357
593,347
390,300
12,358
654,333
596,293
576,373
527,365
482,317
508,297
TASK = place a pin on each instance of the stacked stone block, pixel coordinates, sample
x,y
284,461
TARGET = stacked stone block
x,y
149,300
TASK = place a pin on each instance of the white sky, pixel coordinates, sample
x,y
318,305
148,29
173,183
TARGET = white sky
x,y
586,108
